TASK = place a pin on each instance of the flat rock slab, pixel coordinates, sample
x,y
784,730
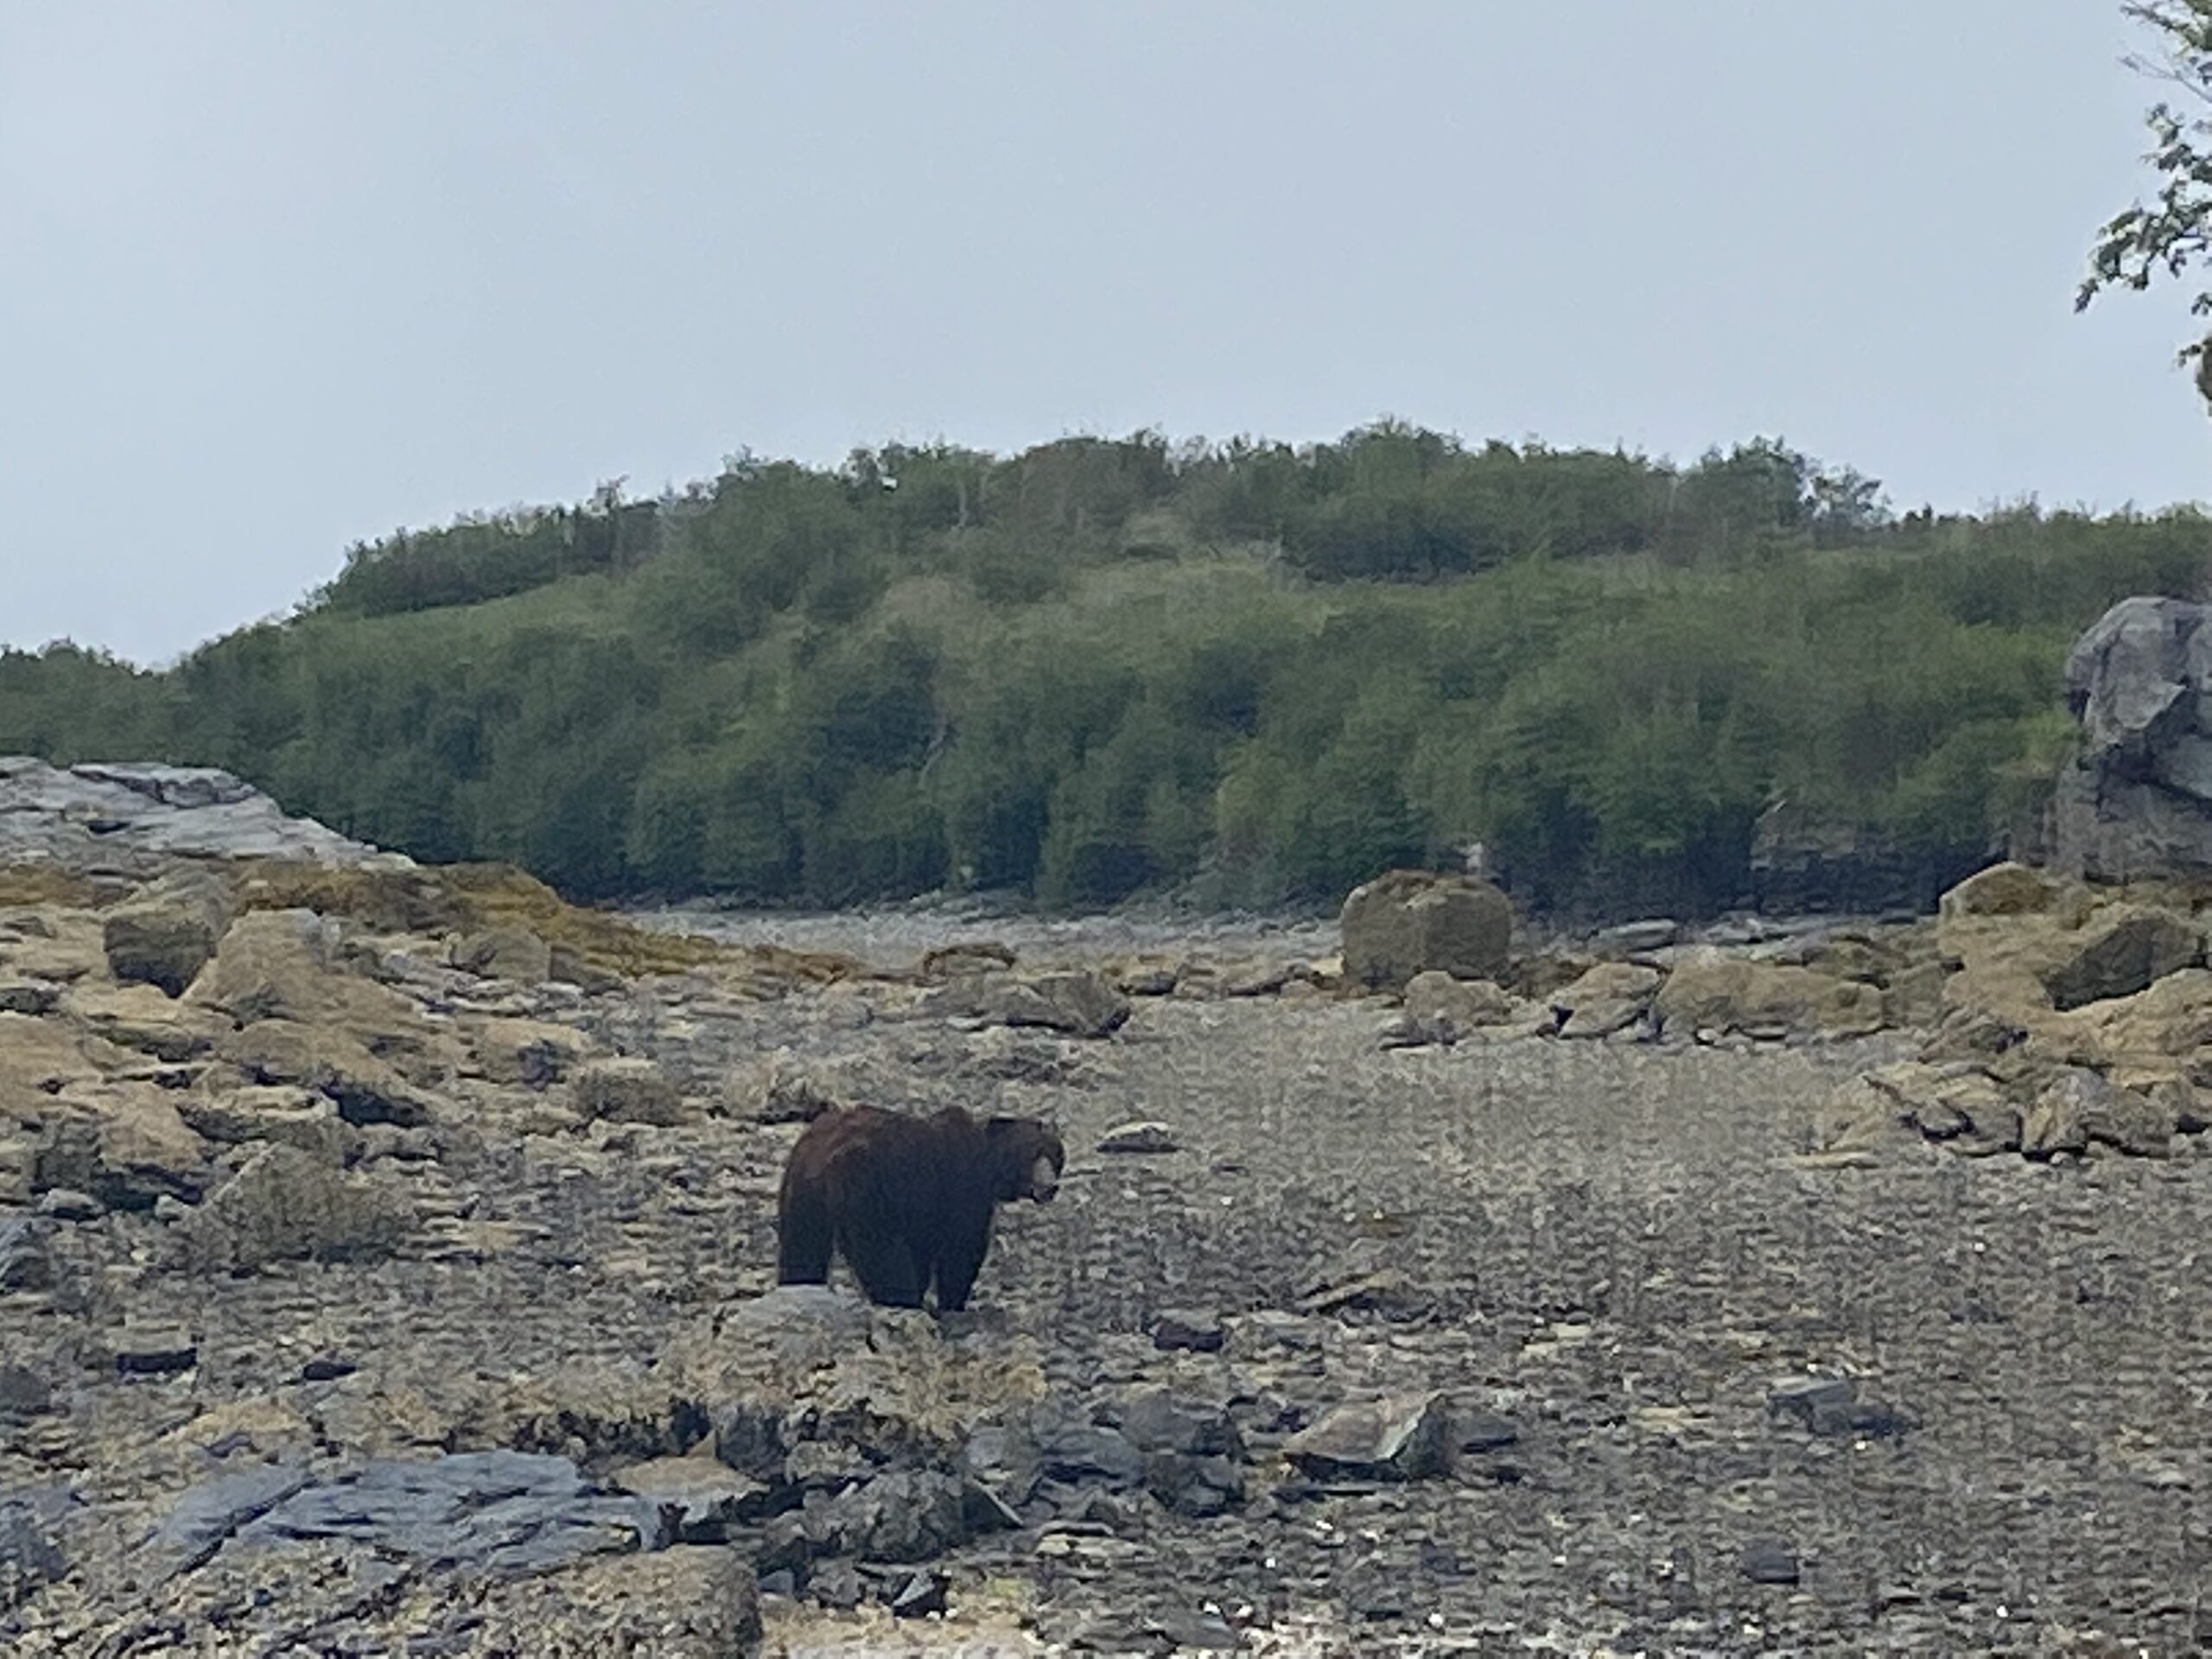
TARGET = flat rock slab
x,y
505,1512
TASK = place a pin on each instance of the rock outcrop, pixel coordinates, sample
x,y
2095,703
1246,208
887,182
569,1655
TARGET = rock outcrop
x,y
2135,799
131,815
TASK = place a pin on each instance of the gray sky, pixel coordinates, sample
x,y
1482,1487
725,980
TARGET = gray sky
x,y
277,277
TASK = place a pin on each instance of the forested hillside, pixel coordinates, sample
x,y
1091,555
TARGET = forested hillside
x,y
1106,666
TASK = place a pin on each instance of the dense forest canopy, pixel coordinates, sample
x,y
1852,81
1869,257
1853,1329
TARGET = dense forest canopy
x,y
1248,670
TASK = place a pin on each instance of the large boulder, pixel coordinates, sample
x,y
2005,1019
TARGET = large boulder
x,y
2135,798
1412,921
164,936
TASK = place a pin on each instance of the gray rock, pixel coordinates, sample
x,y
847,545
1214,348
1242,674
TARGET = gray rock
x,y
904,1515
1400,1437
280,1113
1831,1407
202,1521
1080,1453
1483,1431
165,935
1193,1451
137,816
1634,939
2129,802
1080,1002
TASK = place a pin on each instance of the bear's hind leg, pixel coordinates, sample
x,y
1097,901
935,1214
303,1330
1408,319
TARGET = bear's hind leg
x,y
885,1265
804,1236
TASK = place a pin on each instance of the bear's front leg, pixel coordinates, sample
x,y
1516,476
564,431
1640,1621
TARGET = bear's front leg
x,y
959,1259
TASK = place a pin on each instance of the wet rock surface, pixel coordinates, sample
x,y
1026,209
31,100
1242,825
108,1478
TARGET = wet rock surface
x,y
1626,1336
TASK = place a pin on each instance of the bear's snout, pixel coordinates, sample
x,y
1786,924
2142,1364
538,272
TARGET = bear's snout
x,y
1043,1181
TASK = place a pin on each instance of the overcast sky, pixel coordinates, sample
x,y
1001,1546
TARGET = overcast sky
x,y
277,277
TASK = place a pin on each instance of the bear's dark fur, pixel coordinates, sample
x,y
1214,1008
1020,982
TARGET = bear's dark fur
x,y
906,1200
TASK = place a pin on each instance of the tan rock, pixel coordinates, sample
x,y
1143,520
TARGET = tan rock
x,y
1709,989
164,935
1436,999
628,1090
143,1018
284,1205
283,1114
284,964
1609,997
2007,889
1410,921
510,951
531,1052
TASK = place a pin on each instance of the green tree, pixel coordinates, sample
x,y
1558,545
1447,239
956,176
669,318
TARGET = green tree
x,y
2174,232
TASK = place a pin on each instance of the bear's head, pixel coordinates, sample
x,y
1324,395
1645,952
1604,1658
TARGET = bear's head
x,y
1027,1158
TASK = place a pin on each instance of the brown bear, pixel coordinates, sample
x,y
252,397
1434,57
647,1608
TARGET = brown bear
x,y
906,1199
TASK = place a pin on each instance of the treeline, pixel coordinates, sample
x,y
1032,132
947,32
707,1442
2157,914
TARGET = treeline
x,y
1102,667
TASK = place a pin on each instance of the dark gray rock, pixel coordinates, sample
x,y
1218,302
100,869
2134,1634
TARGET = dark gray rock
x,y
904,1516
26,1256
924,1592
1200,1333
29,1555
1139,1139
1193,1451
1769,1561
1483,1431
154,1351
67,1204
24,1393
1831,1407
31,996
1079,1454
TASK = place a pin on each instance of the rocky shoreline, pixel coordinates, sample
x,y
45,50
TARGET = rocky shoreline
x,y
384,1266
